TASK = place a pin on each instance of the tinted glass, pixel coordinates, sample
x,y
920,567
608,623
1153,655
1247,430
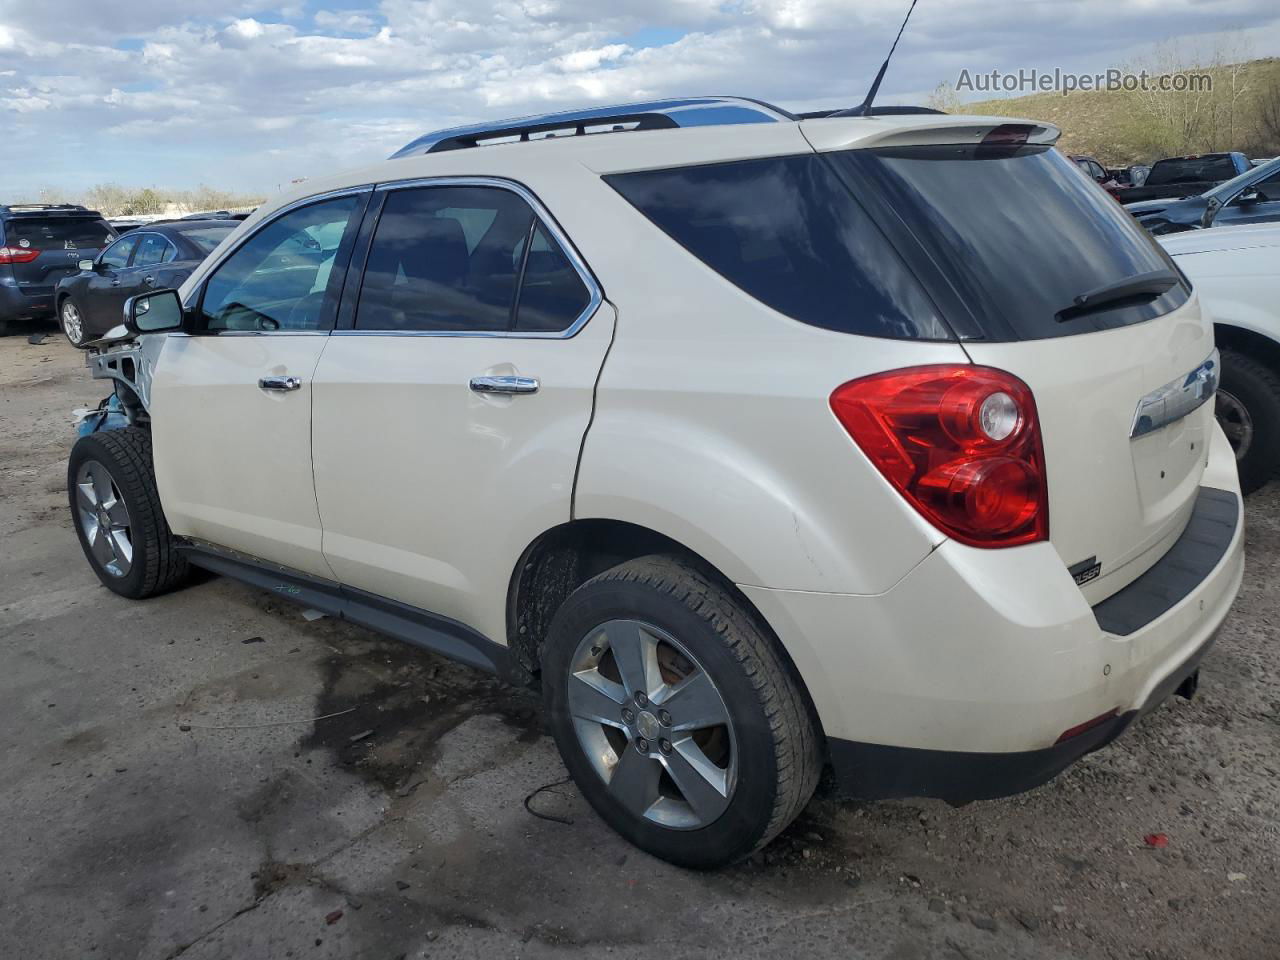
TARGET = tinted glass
x,y
59,234
206,238
151,250
280,279
444,259
1191,170
1016,233
117,255
789,233
552,294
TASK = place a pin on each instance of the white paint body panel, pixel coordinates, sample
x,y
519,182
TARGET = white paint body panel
x,y
1236,271
233,461
429,492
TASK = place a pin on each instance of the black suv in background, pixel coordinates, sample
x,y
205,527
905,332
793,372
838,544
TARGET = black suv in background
x,y
39,245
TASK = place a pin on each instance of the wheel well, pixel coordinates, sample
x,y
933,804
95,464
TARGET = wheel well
x,y
1256,345
565,557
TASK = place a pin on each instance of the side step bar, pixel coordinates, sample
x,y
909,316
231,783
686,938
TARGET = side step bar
x,y
429,631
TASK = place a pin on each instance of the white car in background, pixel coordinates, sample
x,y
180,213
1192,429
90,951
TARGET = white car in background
x,y
1237,273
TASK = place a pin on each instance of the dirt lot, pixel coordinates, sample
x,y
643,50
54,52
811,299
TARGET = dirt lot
x,y
166,792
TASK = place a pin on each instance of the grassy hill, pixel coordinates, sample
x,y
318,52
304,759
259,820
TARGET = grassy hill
x,y
1120,127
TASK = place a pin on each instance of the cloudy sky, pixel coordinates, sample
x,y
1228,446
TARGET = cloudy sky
x,y
240,95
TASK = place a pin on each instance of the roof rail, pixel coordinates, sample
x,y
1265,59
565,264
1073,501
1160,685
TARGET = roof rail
x,y
649,115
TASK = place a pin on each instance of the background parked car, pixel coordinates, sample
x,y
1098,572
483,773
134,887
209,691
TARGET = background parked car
x,y
1237,272
1099,174
39,244
90,302
1252,197
1187,176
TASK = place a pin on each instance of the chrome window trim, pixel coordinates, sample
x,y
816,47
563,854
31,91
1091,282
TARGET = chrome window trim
x,y
197,291
596,294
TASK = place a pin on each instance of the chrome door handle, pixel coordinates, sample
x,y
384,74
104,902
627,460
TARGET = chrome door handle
x,y
148,280
115,283
504,384
282,384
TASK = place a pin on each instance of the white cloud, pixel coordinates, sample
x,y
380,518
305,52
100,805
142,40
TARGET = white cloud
x,y
227,91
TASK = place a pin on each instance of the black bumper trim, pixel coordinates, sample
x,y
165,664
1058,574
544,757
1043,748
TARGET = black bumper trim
x,y
1193,556
870,771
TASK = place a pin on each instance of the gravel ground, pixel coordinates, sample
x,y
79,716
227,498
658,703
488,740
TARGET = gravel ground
x,y
167,793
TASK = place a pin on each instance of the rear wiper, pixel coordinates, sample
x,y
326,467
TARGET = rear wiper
x,y
1144,284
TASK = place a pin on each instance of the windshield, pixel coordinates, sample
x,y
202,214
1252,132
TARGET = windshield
x,y
1225,191
1191,170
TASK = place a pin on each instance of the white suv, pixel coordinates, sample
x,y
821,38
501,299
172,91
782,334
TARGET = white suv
x,y
764,443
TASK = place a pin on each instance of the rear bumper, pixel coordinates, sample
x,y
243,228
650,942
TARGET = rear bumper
x,y
876,772
15,304
961,680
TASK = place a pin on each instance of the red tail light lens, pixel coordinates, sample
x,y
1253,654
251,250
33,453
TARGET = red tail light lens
x,y
961,443
18,254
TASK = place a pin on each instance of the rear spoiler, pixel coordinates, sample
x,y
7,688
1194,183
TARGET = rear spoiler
x,y
839,133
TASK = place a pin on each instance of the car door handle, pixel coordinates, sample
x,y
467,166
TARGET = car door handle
x,y
504,384
281,384
115,283
148,280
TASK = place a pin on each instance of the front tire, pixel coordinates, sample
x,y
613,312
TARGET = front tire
x,y
116,510
677,715
71,320
1248,408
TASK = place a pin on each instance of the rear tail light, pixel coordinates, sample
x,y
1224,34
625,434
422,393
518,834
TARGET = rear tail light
x,y
18,254
960,443
1008,135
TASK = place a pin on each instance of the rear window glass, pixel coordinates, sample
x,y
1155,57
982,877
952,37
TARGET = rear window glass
x,y
207,238
786,231
1016,233
59,233
1191,170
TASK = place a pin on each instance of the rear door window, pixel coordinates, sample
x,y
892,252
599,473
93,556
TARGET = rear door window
x,y
466,259
152,249
59,233
1015,236
786,231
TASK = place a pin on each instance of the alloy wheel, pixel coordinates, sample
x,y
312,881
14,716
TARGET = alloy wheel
x,y
104,519
651,722
1236,422
72,324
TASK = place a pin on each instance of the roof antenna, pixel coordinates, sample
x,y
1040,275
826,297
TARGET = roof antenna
x,y
864,109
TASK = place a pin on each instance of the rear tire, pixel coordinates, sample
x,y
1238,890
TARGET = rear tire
x,y
71,322
763,762
1248,408
116,509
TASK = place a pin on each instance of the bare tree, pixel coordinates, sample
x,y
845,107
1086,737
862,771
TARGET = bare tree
x,y
945,98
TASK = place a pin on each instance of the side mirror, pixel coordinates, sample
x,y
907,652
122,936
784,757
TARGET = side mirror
x,y
153,312
86,265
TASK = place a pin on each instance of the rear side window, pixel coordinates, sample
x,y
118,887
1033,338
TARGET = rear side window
x,y
1016,235
207,238
787,232
59,234
152,249
466,259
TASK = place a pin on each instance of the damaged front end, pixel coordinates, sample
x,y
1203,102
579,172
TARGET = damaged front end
x,y
129,363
